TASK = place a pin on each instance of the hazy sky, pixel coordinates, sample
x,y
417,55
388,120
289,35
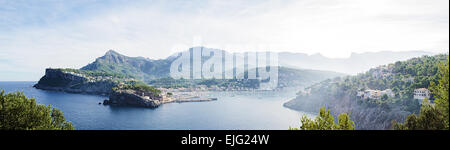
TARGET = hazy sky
x,y
35,35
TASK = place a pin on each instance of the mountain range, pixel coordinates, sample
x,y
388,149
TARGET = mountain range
x,y
149,69
356,63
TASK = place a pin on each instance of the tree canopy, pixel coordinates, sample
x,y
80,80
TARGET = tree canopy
x,y
325,121
432,117
138,86
441,91
17,112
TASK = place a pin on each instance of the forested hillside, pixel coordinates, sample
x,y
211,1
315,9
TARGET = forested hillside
x,y
391,87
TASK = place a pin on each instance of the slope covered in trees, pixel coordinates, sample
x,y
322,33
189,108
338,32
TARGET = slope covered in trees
x,y
136,67
402,78
432,117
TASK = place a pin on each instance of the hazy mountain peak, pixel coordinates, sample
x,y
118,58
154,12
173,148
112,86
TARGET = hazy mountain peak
x,y
356,63
112,53
147,69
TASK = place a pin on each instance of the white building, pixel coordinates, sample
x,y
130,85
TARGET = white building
x,y
421,94
372,94
375,94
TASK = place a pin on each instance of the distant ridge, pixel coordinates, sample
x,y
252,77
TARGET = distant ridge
x,y
356,63
148,69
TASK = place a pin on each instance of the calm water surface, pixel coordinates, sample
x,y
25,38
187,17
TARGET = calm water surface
x,y
232,110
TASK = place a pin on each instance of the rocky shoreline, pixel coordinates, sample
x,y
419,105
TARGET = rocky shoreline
x,y
128,98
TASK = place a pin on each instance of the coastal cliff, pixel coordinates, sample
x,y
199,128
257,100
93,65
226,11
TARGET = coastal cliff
x,y
59,80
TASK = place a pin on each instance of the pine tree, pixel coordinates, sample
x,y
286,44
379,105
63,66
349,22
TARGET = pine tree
x,y
429,118
325,121
441,91
17,112
344,122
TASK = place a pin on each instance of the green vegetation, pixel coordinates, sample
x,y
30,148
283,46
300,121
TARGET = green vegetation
x,y
429,118
432,117
325,121
17,112
441,91
58,81
81,78
90,73
138,86
402,77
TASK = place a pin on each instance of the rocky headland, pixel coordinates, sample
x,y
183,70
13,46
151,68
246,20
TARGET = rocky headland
x,y
59,80
121,91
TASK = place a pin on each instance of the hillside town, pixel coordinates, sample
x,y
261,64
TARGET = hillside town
x,y
419,94
374,94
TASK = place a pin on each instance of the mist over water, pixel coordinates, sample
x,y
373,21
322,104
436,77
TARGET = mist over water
x,y
232,110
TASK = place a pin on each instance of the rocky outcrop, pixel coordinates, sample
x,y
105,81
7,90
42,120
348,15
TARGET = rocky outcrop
x,y
57,80
129,98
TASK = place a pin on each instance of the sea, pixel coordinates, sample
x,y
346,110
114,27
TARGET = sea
x,y
257,110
